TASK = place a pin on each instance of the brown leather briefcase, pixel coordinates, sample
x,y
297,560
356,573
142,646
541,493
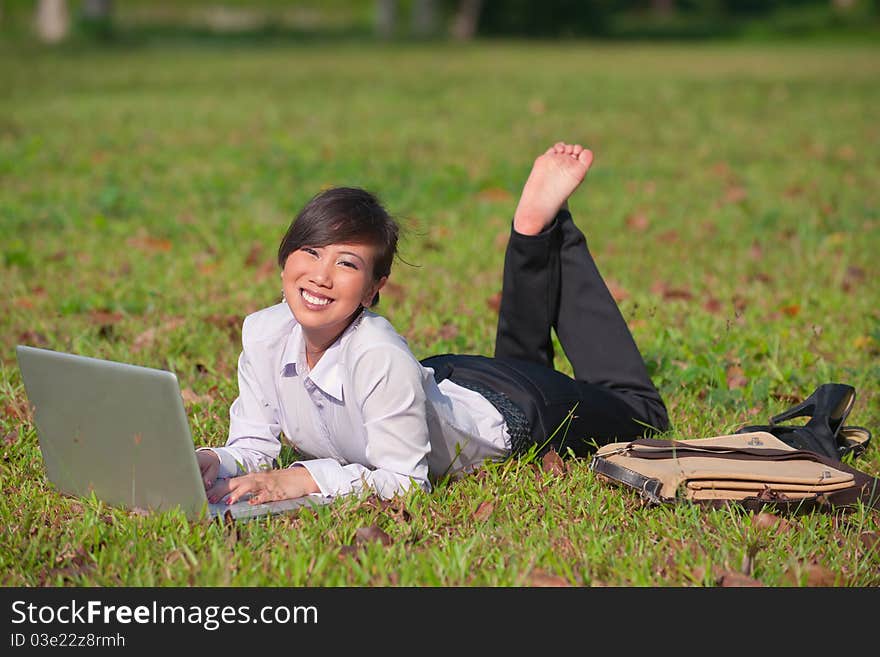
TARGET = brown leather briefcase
x,y
751,469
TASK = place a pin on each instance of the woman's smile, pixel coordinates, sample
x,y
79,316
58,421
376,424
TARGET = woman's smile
x,y
317,300
325,287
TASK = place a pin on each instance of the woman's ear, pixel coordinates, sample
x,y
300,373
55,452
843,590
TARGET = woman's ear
x,y
371,296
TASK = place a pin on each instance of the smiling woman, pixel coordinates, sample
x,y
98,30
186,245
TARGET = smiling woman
x,y
343,386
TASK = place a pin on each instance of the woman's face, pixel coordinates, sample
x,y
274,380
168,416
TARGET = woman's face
x,y
325,285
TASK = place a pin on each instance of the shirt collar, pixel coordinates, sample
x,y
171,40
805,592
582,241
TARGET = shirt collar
x,y
327,374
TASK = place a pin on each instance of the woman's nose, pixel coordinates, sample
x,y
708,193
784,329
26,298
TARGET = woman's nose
x,y
321,273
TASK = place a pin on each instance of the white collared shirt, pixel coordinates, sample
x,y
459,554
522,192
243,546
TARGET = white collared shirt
x,y
368,415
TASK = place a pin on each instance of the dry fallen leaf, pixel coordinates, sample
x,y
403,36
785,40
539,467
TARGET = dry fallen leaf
x,y
484,510
638,222
552,462
770,521
495,194
736,378
818,576
254,255
617,290
369,534
730,579
539,577
870,541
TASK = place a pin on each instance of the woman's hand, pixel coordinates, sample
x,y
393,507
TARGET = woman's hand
x,y
209,465
265,487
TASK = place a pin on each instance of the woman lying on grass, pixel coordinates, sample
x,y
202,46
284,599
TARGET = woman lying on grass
x,y
344,388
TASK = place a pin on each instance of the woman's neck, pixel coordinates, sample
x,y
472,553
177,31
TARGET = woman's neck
x,y
317,344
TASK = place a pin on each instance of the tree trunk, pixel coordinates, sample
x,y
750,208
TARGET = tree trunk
x,y
97,9
53,20
386,18
466,20
662,7
424,18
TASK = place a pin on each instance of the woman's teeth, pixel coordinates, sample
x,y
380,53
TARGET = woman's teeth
x,y
315,301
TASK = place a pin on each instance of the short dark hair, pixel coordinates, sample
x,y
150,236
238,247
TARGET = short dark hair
x,y
341,215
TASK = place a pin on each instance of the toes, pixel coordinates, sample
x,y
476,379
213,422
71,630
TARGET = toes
x,y
568,149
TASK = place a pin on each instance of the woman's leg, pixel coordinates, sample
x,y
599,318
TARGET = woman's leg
x,y
551,280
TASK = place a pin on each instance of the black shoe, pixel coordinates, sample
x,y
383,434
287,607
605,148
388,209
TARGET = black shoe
x,y
824,433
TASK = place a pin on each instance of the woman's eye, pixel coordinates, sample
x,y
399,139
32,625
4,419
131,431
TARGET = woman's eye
x,y
309,250
346,263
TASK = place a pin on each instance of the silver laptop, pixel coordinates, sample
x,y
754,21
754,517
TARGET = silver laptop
x,y
121,432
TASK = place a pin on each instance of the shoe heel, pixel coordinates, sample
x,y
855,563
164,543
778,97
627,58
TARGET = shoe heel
x,y
831,400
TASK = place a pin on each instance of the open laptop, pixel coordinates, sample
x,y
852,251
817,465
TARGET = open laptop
x,y
121,432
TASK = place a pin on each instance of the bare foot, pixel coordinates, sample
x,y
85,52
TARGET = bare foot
x,y
554,176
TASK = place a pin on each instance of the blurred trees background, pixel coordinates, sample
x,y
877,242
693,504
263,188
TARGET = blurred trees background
x,y
53,21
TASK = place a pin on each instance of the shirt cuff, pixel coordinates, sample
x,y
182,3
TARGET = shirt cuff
x,y
330,477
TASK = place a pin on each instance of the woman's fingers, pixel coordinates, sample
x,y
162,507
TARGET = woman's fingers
x,y
218,490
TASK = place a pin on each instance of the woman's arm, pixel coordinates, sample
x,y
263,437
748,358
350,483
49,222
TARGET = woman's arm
x,y
254,429
389,402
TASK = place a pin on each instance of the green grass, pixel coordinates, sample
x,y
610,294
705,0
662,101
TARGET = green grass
x,y
733,207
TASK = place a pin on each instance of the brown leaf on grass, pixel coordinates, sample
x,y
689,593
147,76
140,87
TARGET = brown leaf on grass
x,y
189,397
105,317
736,378
852,277
870,541
494,194
735,194
501,240
791,310
770,521
267,269
814,575
664,290
846,152
18,409
732,578
148,337
698,574
448,331
787,397
537,106
484,510
208,268
370,534
721,169
255,255
552,462
618,292
347,551
149,244
638,222
34,338
393,290
756,252
668,237
712,305
540,577
494,302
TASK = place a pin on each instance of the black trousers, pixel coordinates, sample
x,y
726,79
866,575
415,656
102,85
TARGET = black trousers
x,y
551,282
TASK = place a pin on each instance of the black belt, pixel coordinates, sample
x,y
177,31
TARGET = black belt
x,y
516,421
